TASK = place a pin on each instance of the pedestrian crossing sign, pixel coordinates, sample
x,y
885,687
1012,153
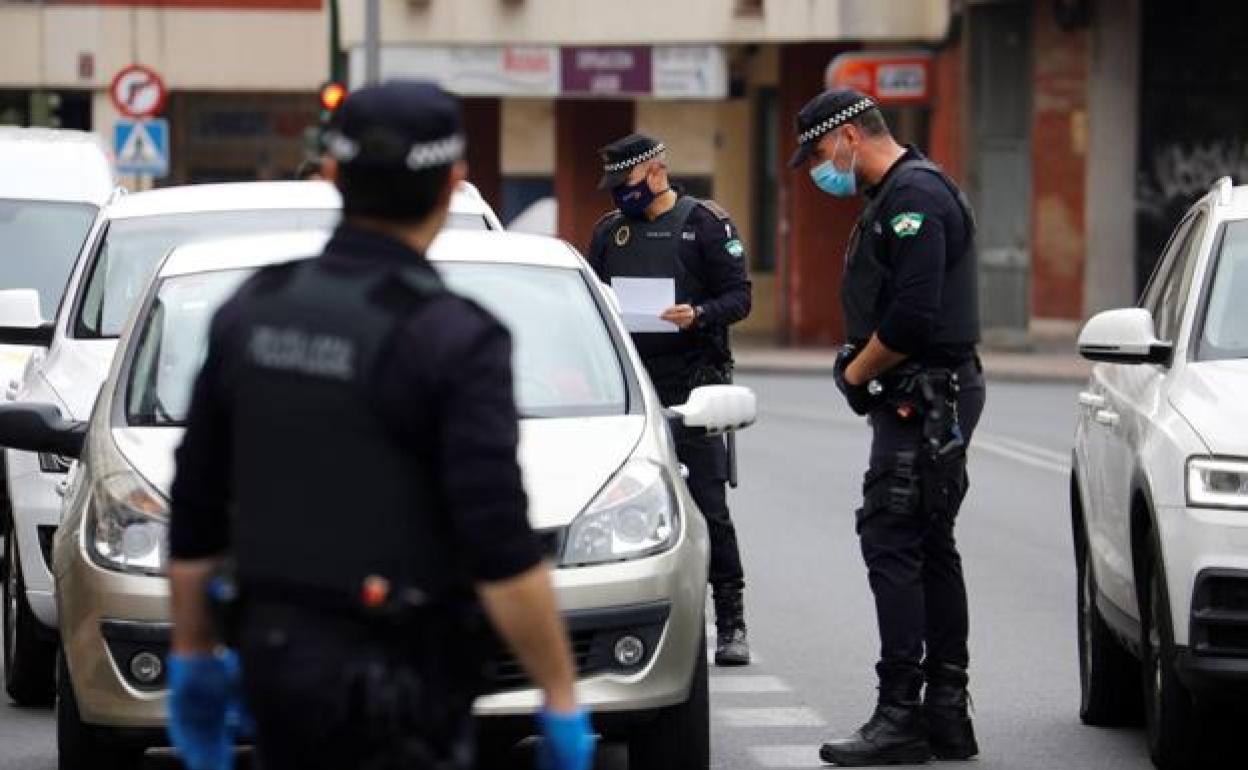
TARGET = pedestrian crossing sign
x,y
142,147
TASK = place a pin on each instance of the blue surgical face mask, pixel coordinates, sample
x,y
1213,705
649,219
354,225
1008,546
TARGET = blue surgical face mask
x,y
834,181
633,199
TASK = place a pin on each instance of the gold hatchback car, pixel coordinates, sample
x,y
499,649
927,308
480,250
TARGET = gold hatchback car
x,y
605,487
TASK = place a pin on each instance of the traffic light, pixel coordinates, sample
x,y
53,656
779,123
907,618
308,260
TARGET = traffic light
x,y
332,95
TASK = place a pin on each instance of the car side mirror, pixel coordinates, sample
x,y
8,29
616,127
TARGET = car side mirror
x,y
38,427
21,322
718,409
1125,336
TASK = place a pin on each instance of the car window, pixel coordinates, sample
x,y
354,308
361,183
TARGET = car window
x,y
564,360
1224,329
39,243
1151,298
1173,298
462,220
131,249
565,363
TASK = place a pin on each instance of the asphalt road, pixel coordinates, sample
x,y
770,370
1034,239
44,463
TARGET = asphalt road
x,y
809,607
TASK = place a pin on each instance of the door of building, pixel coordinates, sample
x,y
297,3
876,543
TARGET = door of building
x,y
999,163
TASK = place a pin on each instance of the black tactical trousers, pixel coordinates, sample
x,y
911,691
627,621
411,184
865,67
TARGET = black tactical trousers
x,y
706,457
906,531
311,714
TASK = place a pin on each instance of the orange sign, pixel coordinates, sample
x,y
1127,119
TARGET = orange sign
x,y
902,78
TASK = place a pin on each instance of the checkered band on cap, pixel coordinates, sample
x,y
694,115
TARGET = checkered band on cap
x,y
440,153
421,156
814,132
633,161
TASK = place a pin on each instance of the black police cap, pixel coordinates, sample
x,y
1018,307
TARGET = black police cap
x,y
409,124
830,109
619,158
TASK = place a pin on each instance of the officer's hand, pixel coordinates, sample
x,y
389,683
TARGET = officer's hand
x,y
681,315
569,741
859,397
203,692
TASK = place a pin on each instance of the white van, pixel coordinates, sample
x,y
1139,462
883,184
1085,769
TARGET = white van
x,y
53,184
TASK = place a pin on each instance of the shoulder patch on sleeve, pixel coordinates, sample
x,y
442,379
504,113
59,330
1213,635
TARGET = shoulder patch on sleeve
x,y
907,224
719,211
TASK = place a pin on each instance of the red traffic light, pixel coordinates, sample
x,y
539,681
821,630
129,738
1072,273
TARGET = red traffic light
x,y
332,95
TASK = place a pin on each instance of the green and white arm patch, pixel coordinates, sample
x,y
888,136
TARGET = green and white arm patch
x,y
907,224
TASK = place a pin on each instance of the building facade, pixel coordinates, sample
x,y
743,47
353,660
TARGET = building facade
x,y
242,75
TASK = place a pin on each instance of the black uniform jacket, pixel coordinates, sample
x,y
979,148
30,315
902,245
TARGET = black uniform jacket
x,y
712,250
917,260
446,387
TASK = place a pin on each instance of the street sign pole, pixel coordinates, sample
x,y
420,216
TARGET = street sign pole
x,y
372,41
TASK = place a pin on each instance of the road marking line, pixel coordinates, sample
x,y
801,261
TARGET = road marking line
x,y
747,683
1017,456
1030,448
771,716
787,756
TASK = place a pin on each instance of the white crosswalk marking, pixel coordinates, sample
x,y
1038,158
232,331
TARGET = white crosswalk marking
x,y
787,756
770,716
747,683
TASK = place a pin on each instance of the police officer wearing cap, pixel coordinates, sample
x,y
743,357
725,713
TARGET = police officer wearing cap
x,y
351,451
911,312
658,232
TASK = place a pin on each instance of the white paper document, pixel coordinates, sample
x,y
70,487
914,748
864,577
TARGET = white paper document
x,y
642,300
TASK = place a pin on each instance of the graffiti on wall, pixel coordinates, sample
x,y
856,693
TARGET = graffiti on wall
x,y
1177,174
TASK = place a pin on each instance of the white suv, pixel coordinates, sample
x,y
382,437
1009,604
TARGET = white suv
x,y
1159,491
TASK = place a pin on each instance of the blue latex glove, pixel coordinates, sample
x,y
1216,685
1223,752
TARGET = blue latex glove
x,y
569,741
202,691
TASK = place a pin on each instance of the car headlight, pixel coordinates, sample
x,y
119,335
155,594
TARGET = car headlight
x,y
1217,483
635,515
127,522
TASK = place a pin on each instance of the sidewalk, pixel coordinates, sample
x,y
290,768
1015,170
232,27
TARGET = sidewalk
x,y
1008,365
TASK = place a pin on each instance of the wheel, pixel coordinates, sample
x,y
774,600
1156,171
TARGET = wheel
x,y
28,656
679,737
1173,737
1109,676
81,746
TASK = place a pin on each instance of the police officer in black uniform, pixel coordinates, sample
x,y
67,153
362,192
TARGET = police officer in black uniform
x,y
351,450
911,312
658,232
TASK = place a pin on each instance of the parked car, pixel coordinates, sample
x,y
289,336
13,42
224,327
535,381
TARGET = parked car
x,y
126,243
606,495
52,185
1159,491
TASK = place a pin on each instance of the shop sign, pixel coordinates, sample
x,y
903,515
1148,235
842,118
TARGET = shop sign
x,y
663,72
611,71
890,77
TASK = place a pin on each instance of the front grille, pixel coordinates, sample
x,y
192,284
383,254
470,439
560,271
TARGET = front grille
x,y
506,673
1220,614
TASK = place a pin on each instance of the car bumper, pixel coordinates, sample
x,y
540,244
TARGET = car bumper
x,y
36,503
1197,543
110,617
1213,676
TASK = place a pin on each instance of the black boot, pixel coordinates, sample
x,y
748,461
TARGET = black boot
x,y
947,708
732,645
895,734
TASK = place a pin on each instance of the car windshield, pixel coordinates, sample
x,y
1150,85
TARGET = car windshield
x,y
132,248
1224,333
565,363
39,242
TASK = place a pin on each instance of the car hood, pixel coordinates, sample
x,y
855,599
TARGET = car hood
x,y
1208,395
564,461
76,370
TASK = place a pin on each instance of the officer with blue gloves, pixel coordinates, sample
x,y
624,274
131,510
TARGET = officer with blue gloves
x,y
350,460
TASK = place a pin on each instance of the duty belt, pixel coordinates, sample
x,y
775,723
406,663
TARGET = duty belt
x,y
929,393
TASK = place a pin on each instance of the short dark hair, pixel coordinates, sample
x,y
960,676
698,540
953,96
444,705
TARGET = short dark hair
x,y
392,194
871,122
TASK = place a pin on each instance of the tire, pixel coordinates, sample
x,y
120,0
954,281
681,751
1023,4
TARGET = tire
x,y
29,657
1173,734
81,746
679,737
1109,676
